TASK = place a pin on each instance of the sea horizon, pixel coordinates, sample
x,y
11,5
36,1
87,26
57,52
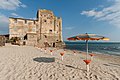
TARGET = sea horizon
x,y
94,41
110,48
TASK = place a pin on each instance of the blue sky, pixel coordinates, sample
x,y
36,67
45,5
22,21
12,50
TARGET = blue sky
x,y
79,16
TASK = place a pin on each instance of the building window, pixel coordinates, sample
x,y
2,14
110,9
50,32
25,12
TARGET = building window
x,y
59,24
34,22
25,21
45,36
50,30
45,20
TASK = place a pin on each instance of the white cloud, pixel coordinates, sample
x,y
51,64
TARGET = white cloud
x,y
14,14
23,6
93,13
110,14
69,28
18,16
11,4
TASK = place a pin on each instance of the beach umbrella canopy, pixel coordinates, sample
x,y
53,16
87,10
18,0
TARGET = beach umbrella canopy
x,y
87,37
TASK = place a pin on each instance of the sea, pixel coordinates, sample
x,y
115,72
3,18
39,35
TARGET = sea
x,y
111,48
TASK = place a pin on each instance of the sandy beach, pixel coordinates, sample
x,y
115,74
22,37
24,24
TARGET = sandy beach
x,y
30,63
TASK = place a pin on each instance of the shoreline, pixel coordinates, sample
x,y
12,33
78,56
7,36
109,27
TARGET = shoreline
x,y
95,52
103,55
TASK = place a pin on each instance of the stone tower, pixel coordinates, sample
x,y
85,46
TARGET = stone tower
x,y
47,28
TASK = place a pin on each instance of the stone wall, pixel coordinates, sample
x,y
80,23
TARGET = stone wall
x,y
19,27
31,39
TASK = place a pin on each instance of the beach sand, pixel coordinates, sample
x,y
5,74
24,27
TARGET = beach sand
x,y
30,63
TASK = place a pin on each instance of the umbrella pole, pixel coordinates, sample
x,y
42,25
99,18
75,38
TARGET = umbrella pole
x,y
87,65
87,49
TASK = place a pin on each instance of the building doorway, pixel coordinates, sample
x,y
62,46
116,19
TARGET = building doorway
x,y
53,44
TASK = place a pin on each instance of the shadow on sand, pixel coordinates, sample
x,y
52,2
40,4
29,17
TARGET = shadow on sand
x,y
44,59
74,67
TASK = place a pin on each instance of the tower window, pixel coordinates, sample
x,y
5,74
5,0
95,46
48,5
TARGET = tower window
x,y
45,36
34,22
25,21
50,30
45,20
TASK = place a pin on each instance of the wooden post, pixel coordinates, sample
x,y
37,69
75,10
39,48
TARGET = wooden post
x,y
74,52
87,49
62,58
51,52
87,67
62,54
91,56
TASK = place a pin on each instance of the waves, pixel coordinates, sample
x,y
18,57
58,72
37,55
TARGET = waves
x,y
96,47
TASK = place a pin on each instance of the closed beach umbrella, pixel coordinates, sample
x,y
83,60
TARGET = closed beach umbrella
x,y
87,37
